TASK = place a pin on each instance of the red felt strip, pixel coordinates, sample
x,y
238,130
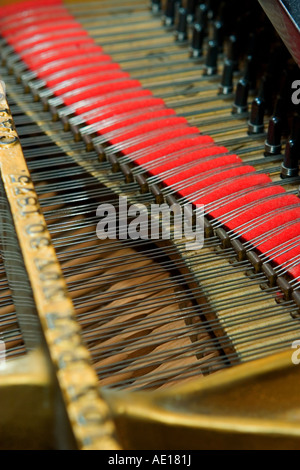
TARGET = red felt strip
x,y
71,50
51,46
141,129
110,99
92,79
240,184
242,201
30,4
195,156
273,221
9,28
226,178
262,208
282,236
34,35
60,68
80,73
123,111
168,135
96,90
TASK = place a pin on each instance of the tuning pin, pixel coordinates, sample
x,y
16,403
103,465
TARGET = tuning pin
x,y
181,34
233,52
256,120
290,165
156,7
201,16
197,41
273,141
240,104
218,34
169,14
191,9
226,85
211,58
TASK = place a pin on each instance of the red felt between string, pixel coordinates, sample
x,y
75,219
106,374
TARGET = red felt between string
x,y
60,68
33,35
260,209
201,167
31,4
195,156
242,201
124,127
9,28
110,99
274,221
41,44
168,135
223,177
98,90
282,236
82,72
186,143
141,129
74,42
126,110
36,62
240,184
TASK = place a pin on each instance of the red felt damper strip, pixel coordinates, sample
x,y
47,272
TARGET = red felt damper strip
x,y
261,209
92,79
61,68
33,35
240,184
288,257
167,136
274,242
141,129
242,201
169,149
226,178
25,16
194,156
201,167
46,42
129,112
8,28
110,99
77,41
30,4
125,126
98,90
48,58
81,72
276,220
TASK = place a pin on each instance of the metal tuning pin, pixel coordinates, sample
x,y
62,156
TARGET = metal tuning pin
x,y
196,50
240,104
226,85
191,10
201,16
156,7
210,67
290,164
256,120
218,34
181,33
273,140
169,15
233,51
